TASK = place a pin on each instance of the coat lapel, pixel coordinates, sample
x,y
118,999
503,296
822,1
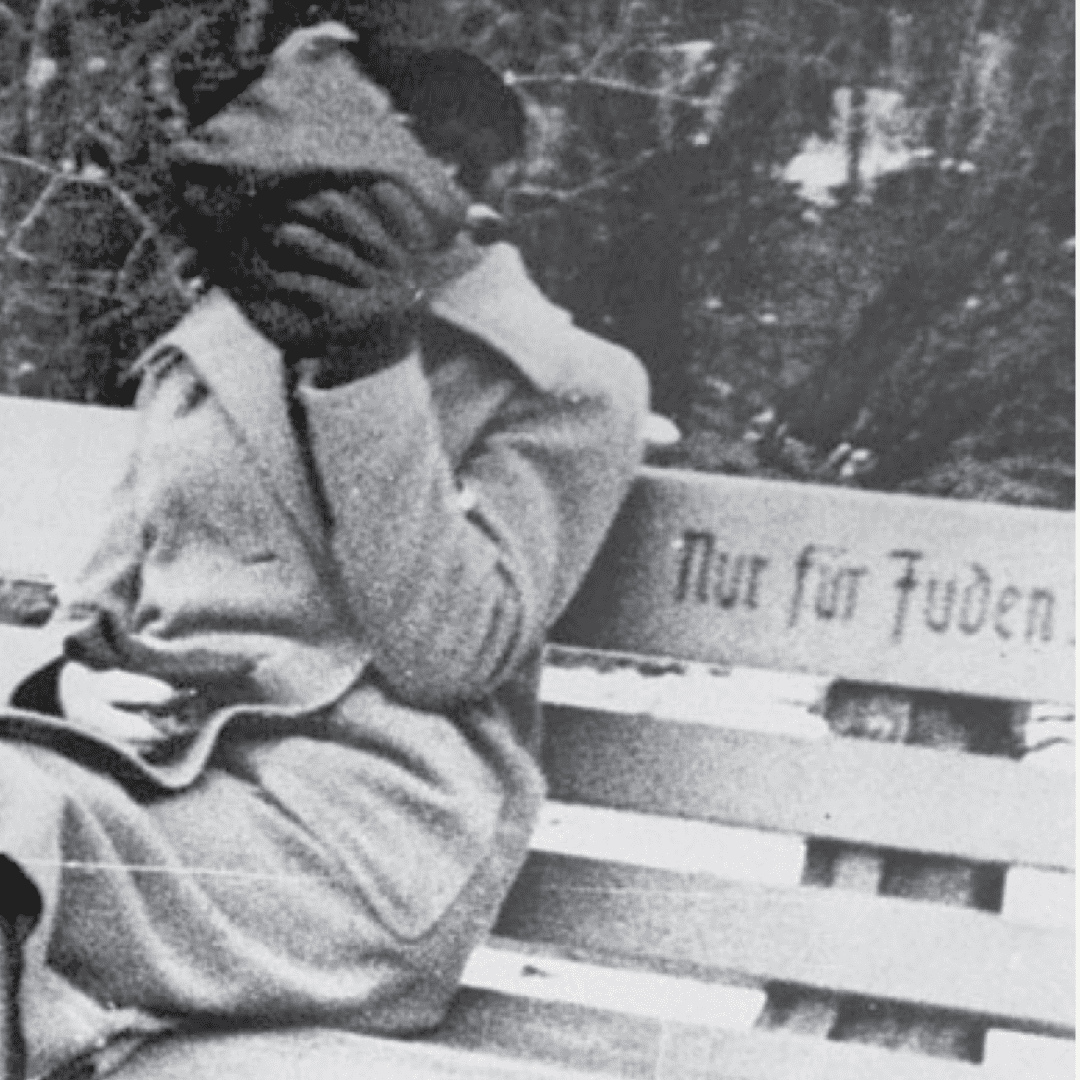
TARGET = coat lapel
x,y
244,372
497,302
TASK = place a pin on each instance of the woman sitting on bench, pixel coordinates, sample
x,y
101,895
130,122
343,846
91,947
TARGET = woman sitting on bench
x,y
276,761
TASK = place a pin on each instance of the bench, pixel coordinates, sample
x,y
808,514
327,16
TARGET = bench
x,y
722,885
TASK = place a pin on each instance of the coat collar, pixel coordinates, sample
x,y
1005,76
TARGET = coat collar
x,y
497,302
245,373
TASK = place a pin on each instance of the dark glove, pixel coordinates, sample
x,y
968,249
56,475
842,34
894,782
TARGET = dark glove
x,y
333,274
348,260
359,265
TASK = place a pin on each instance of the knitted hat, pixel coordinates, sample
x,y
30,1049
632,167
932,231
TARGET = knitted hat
x,y
312,120
314,117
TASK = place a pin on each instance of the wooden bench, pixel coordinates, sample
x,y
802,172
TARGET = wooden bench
x,y
772,900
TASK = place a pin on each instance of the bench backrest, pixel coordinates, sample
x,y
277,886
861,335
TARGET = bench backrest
x,y
897,591
918,592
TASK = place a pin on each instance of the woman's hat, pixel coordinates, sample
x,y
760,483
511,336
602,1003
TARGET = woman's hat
x,y
314,118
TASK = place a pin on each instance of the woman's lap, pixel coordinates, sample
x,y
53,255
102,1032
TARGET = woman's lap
x,y
218,900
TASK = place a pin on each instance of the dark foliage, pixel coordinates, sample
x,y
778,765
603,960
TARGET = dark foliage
x,y
915,331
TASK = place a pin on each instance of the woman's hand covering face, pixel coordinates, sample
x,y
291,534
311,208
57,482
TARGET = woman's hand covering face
x,y
350,265
323,213
351,259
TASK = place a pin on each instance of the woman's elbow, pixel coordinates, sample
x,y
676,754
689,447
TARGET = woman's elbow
x,y
451,663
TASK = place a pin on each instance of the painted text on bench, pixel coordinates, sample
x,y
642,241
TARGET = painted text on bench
x,y
828,584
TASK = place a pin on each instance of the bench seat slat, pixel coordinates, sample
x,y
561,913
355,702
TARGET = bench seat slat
x,y
1040,897
636,1048
975,807
734,1056
538,972
61,464
324,1053
913,951
491,1037
1029,1057
571,1035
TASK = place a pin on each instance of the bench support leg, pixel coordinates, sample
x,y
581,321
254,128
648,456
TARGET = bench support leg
x,y
20,909
12,1048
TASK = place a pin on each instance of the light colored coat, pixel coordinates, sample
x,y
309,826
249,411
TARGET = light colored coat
x,y
389,587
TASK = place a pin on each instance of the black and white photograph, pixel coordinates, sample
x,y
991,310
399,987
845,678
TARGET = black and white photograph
x,y
537,539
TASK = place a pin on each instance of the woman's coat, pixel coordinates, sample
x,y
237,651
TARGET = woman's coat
x,y
385,583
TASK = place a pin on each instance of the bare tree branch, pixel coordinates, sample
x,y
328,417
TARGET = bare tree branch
x,y
618,85
599,183
14,245
22,161
614,42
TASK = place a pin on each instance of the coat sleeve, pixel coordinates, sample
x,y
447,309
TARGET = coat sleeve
x,y
454,577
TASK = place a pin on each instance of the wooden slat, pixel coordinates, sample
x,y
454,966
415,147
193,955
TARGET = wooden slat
x,y
634,1048
541,974
720,1056
975,807
494,1038
327,1055
1040,897
1029,1057
593,832
813,1013
1047,898
906,590
557,1033
946,958
784,702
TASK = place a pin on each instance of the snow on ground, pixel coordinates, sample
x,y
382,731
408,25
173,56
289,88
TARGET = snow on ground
x,y
889,146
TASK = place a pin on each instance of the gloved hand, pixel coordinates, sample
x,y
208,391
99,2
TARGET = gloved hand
x,y
349,261
317,209
359,265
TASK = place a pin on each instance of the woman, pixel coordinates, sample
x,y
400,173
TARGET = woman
x,y
296,690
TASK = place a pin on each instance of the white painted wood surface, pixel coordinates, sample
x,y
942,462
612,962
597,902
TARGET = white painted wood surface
x,y
896,589
742,698
60,465
1012,1055
639,993
1039,898
782,703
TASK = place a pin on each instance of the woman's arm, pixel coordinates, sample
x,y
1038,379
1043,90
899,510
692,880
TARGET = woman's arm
x,y
453,579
